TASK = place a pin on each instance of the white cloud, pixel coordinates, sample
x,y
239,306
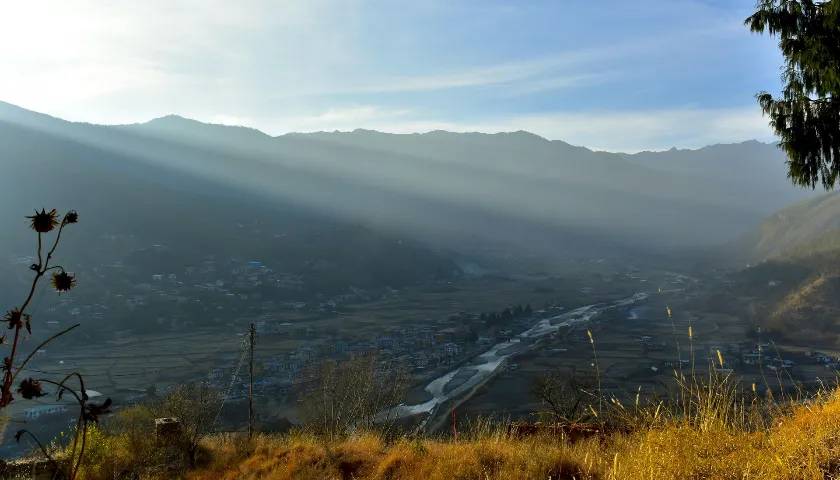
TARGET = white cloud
x,y
113,62
278,65
652,129
234,120
502,73
558,82
340,118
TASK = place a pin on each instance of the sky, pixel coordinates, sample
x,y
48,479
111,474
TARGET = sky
x,y
612,75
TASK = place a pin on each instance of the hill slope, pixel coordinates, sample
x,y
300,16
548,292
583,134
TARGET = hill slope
x,y
142,213
801,230
678,197
796,280
515,190
809,312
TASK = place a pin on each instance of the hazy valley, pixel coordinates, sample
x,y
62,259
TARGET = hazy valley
x,y
417,247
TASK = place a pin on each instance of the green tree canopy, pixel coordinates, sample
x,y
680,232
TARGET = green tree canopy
x,y
807,115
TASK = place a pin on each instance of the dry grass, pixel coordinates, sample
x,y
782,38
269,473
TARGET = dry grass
x,y
367,456
803,443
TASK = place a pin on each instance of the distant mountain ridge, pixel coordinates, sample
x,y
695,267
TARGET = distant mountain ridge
x,y
515,190
128,187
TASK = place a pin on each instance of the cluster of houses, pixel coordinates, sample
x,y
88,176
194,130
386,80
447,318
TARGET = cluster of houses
x,y
765,355
208,290
740,355
418,349
744,356
830,362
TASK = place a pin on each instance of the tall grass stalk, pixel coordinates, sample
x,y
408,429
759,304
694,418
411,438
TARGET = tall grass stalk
x,y
691,348
669,313
597,370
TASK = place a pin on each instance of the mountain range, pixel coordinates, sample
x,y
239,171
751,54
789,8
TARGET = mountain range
x,y
455,191
366,209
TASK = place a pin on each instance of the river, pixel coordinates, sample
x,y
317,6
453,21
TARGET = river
x,y
463,379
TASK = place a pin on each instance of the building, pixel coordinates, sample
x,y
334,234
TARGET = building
x,y
35,412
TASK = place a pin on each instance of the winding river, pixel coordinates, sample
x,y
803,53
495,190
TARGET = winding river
x,y
463,379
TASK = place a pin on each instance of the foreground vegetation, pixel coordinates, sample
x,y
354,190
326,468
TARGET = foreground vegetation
x,y
801,445
711,430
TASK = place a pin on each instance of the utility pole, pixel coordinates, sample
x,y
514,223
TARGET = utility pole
x,y
251,338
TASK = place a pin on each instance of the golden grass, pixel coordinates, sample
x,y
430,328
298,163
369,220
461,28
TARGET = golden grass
x,y
367,456
710,431
801,444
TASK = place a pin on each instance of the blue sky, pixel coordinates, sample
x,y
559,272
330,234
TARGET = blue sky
x,y
613,75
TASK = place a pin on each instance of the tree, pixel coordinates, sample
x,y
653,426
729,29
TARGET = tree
x,y
563,395
807,116
195,405
352,396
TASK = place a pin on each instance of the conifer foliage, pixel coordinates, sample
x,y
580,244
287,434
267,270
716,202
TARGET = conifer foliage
x,y
806,116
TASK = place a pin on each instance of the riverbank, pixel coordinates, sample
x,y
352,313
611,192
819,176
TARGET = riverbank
x,y
456,385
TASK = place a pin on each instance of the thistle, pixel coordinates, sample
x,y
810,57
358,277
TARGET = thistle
x,y
14,317
44,221
30,388
63,281
71,217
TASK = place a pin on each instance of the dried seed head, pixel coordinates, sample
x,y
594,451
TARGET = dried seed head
x,y
15,318
43,221
71,217
63,281
30,388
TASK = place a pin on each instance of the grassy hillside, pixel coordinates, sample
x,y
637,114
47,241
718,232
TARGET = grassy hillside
x,y
720,440
799,231
798,301
796,281
810,312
